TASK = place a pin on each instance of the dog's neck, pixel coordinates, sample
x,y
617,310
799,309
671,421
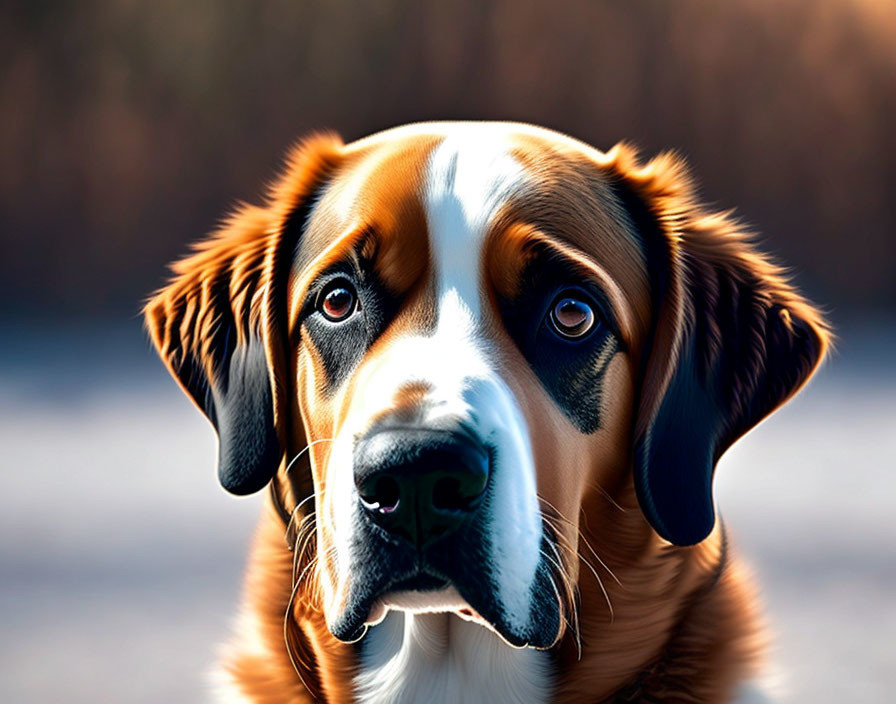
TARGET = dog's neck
x,y
441,658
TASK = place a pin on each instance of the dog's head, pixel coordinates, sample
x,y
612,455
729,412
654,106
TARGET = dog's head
x,y
450,335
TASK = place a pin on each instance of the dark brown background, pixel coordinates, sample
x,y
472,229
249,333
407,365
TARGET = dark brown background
x,y
127,128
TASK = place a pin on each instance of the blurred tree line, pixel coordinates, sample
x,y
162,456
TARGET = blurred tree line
x,y
127,128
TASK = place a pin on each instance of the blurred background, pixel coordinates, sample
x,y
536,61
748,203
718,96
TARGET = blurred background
x,y
128,128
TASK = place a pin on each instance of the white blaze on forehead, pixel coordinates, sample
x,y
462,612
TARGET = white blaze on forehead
x,y
470,175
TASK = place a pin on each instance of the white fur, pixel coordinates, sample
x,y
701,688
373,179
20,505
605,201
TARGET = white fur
x,y
224,689
439,658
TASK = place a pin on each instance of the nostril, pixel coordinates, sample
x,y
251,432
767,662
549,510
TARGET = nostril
x,y
457,493
382,495
446,495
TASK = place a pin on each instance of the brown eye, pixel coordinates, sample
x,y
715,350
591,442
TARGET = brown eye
x,y
572,317
338,301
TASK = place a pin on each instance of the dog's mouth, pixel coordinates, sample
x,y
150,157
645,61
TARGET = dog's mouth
x,y
441,582
441,597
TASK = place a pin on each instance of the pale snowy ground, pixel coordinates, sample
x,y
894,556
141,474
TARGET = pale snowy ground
x,y
120,557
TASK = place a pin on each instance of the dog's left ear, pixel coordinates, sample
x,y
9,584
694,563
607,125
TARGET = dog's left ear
x,y
219,324
731,341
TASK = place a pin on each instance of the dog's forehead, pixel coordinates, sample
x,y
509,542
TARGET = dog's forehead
x,y
445,188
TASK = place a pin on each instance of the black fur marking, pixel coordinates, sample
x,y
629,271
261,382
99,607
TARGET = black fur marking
x,y
570,370
341,345
573,374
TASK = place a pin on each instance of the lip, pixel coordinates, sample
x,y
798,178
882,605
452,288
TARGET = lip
x,y
443,600
368,605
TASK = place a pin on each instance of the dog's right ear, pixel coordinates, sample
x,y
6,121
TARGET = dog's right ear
x,y
219,325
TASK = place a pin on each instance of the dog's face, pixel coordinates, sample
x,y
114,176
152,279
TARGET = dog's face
x,y
461,324
466,329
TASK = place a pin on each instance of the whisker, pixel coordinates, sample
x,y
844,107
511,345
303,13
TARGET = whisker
x,y
312,571
562,542
573,587
294,657
594,552
306,530
305,449
593,571
561,602
314,561
291,526
597,557
570,596
290,539
558,515
607,496
288,624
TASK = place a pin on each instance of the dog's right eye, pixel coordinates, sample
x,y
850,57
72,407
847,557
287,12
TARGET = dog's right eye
x,y
338,301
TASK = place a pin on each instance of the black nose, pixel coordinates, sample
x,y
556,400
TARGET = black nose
x,y
420,484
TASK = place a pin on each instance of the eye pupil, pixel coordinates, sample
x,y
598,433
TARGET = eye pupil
x,y
572,317
338,303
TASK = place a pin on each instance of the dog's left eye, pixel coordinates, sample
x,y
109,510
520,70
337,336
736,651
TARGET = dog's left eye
x,y
571,317
338,301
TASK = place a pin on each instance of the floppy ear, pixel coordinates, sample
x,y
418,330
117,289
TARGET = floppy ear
x,y
219,324
732,340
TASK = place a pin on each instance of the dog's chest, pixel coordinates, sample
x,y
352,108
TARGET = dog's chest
x,y
441,658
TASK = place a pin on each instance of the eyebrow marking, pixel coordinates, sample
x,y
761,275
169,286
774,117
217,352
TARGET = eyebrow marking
x,y
520,235
345,243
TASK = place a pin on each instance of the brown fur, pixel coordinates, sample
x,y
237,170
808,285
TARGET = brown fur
x,y
654,622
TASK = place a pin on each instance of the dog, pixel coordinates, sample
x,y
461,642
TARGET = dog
x,y
486,372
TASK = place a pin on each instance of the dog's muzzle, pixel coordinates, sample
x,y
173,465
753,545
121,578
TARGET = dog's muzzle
x,y
437,516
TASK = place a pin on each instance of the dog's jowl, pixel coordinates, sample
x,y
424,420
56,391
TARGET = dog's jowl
x,y
485,373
